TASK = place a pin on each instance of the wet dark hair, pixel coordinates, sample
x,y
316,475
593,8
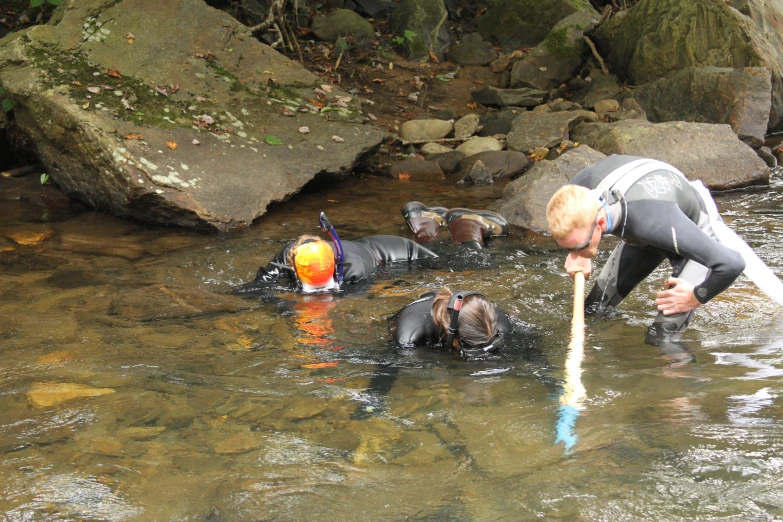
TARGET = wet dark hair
x,y
477,322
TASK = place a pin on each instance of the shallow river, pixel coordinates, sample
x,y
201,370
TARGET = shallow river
x,y
134,386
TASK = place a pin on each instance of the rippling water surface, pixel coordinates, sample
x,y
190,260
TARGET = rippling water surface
x,y
134,386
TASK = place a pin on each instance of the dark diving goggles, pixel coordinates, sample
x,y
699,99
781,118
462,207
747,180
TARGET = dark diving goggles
x,y
475,352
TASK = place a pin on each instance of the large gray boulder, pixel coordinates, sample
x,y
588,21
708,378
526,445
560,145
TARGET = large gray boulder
x,y
554,60
737,97
525,23
427,20
534,129
524,199
657,37
710,153
171,112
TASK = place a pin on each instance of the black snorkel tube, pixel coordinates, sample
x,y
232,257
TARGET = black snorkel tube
x,y
327,227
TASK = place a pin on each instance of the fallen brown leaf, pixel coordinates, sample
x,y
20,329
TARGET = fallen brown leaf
x,y
76,82
133,137
434,58
473,105
114,73
174,88
171,144
404,176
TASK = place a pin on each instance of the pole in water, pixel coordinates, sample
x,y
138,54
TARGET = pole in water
x,y
572,398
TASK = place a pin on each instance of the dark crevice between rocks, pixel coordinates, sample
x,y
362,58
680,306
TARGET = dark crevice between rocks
x,y
16,148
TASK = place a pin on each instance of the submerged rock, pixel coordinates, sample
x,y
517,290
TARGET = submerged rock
x,y
194,125
45,394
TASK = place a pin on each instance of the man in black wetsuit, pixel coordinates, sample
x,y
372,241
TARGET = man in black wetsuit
x,y
658,214
311,262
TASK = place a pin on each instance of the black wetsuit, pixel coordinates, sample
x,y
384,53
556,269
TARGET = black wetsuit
x,y
413,326
362,257
658,216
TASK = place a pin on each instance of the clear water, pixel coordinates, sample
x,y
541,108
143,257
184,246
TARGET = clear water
x,y
202,406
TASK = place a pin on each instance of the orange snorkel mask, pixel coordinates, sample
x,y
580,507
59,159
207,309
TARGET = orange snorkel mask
x,y
314,265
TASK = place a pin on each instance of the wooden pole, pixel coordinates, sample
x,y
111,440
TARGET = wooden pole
x,y
573,390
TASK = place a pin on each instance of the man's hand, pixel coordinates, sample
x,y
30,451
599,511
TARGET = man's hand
x,y
574,264
678,297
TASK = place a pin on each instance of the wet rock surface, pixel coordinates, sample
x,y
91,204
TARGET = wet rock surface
x,y
196,136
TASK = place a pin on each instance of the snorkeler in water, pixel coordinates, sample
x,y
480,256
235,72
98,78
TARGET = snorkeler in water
x,y
467,321
317,265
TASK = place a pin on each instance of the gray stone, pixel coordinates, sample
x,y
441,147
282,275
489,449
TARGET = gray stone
x,y
478,174
738,97
524,97
225,181
555,60
417,169
564,105
466,126
501,164
428,21
765,153
417,130
472,50
445,114
341,22
603,107
448,161
655,38
429,149
544,129
602,87
477,144
524,199
524,23
711,153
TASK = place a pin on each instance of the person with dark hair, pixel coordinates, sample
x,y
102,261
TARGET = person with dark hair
x,y
472,228
314,264
462,320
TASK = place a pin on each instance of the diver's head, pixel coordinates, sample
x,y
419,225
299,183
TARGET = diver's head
x,y
313,261
574,214
476,320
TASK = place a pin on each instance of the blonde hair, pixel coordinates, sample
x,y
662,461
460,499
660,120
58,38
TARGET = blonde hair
x,y
477,322
572,206
290,255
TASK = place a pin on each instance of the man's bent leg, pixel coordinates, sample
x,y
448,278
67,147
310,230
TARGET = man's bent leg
x,y
626,267
669,328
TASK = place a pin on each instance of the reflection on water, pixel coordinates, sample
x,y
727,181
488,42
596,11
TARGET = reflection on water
x,y
135,386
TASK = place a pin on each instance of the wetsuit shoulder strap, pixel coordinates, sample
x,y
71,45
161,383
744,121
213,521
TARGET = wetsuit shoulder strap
x,y
623,178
